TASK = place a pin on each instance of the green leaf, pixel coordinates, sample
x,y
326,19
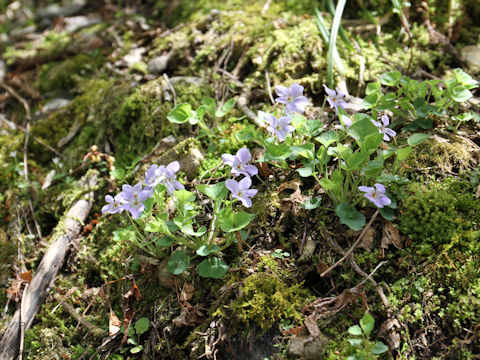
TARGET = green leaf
x,y
379,348
355,330
158,225
188,229
355,161
391,78
402,153
465,79
312,203
307,170
370,101
142,325
387,213
225,109
210,106
417,139
136,349
217,191
362,128
236,221
249,133
206,250
350,216
314,127
305,150
180,114
461,94
367,323
371,142
118,174
164,241
184,196
373,87
277,152
178,262
355,342
212,268
328,138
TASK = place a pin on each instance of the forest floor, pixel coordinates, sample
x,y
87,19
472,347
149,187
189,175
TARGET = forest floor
x,y
361,239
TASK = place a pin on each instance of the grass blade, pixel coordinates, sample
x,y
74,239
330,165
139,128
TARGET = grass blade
x,y
333,39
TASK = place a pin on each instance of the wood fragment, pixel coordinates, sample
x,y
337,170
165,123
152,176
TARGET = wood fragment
x,y
48,269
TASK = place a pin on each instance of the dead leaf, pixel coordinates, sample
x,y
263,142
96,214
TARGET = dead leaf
x,y
187,292
390,235
367,239
114,324
292,185
189,316
390,332
26,276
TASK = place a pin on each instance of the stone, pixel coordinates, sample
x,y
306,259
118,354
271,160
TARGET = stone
x,y
158,64
301,347
75,23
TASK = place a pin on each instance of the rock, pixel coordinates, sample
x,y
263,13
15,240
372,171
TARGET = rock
x,y
134,56
55,104
54,10
471,55
158,64
188,152
75,23
300,347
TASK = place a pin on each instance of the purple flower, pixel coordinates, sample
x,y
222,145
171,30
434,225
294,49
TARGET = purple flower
x,y
376,195
240,190
384,129
151,178
292,97
279,127
114,205
166,176
239,163
335,98
345,123
133,198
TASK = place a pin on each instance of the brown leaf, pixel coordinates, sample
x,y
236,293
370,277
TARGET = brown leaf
x,y
311,324
114,324
292,185
390,235
367,239
187,292
26,276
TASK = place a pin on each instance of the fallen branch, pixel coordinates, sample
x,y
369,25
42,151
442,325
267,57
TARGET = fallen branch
x,y
96,331
48,269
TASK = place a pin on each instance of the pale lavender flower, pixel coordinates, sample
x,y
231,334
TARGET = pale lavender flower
x,y
166,175
279,127
345,123
239,162
384,129
335,98
151,178
241,190
114,205
376,195
134,198
292,97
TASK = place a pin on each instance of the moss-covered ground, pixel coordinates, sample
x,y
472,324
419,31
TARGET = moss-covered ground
x,y
429,305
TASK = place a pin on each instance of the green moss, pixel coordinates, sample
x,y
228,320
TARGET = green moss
x,y
267,297
64,75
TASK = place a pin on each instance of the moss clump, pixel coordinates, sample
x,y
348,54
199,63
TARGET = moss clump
x,y
429,218
267,297
64,75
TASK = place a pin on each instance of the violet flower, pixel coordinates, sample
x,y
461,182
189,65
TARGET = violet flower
x,y
292,97
166,175
240,190
345,123
114,205
376,195
279,127
239,162
384,129
134,198
151,178
335,98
